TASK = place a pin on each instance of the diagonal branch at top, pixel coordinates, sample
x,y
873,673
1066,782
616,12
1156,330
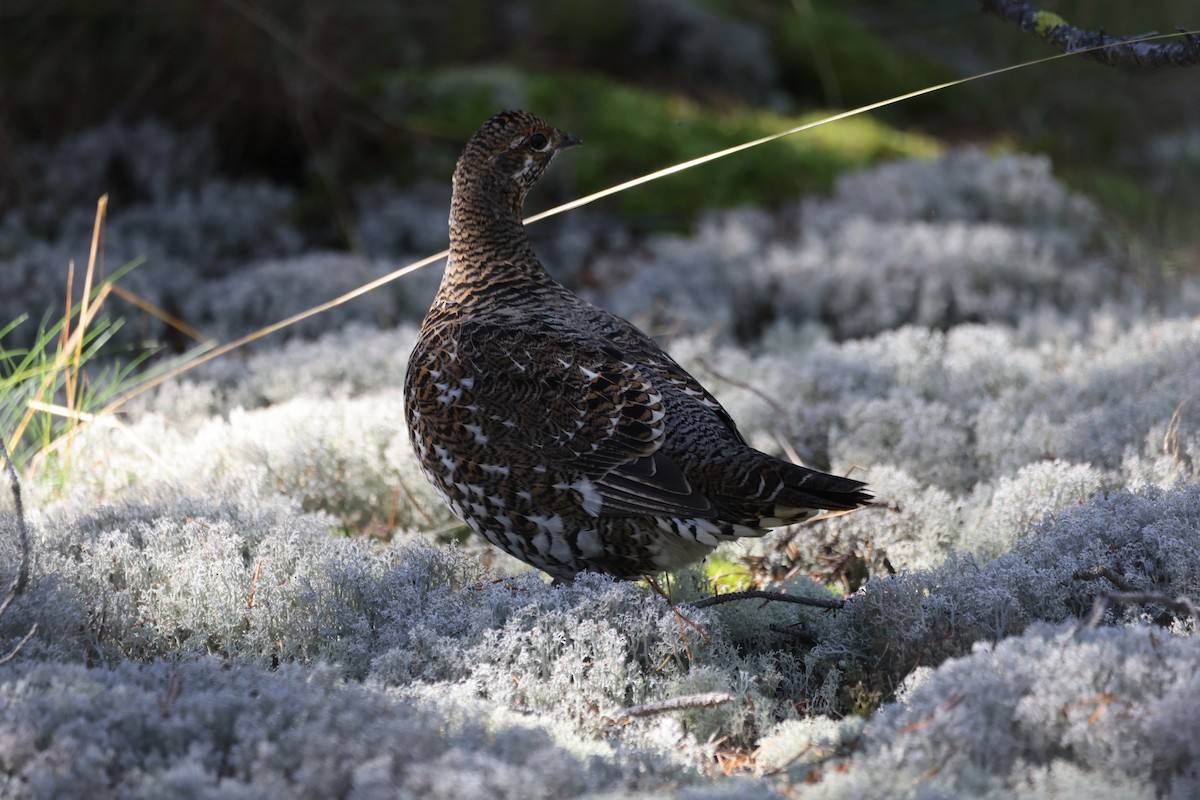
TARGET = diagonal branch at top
x,y
1115,51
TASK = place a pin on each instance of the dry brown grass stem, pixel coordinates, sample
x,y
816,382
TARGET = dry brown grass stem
x,y
165,316
70,354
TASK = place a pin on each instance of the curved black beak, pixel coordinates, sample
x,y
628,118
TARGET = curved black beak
x,y
570,141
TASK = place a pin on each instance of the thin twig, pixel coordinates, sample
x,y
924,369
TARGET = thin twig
x,y
759,594
159,313
1180,605
22,530
680,618
801,633
1098,572
412,500
22,580
17,649
706,700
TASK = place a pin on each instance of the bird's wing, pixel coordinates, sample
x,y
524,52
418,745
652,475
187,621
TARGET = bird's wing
x,y
654,360
577,413
665,367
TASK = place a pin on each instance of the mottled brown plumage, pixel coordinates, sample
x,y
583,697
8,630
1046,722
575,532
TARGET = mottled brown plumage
x,y
560,432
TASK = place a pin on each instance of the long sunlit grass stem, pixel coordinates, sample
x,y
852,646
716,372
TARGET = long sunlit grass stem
x,y
591,198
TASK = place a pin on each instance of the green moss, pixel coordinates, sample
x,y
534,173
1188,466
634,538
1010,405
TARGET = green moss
x,y
861,701
725,575
629,132
1046,22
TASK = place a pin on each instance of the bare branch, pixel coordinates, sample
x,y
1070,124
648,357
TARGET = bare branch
x,y
24,640
758,594
23,573
1180,605
22,579
1097,573
706,700
1114,51
802,633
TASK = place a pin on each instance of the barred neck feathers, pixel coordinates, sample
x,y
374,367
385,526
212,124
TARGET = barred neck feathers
x,y
488,245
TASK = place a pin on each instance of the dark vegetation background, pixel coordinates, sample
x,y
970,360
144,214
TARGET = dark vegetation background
x,y
325,96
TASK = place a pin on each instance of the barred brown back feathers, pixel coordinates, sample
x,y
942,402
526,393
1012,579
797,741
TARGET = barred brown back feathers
x,y
559,432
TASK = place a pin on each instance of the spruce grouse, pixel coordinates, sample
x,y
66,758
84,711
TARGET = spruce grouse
x,y
560,432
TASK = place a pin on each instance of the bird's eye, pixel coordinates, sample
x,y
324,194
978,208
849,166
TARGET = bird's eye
x,y
538,142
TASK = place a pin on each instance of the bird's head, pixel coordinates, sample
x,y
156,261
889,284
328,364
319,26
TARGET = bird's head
x,y
508,155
